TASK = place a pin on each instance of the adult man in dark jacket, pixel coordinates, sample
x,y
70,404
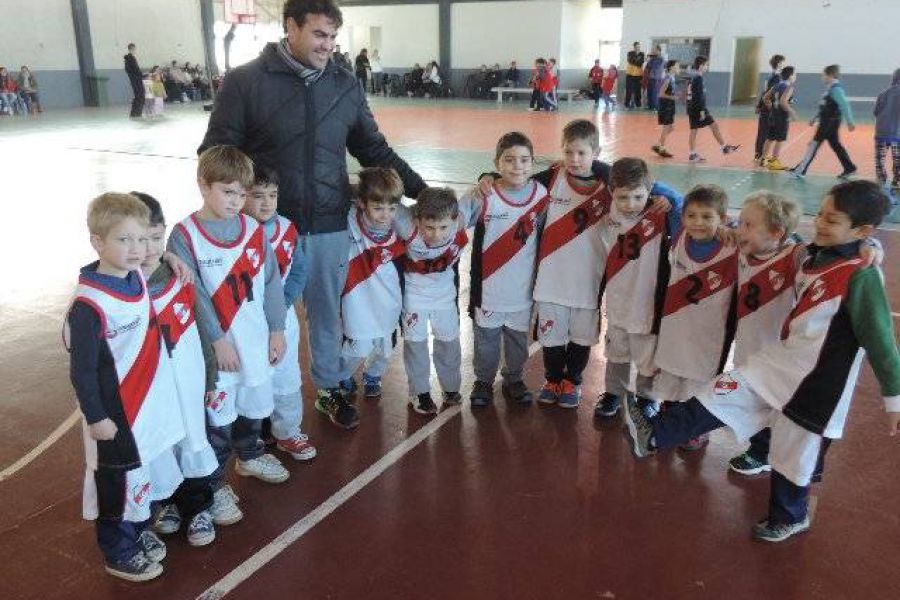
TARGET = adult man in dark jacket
x,y
634,71
295,111
137,82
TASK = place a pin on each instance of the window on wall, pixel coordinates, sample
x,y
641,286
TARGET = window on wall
x,y
684,50
610,35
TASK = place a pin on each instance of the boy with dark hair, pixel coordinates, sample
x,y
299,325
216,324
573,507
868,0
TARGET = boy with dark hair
x,y
762,126
802,386
698,113
666,113
778,100
833,108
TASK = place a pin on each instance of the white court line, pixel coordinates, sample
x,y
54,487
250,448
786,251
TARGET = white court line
x,y
253,564
65,426
895,315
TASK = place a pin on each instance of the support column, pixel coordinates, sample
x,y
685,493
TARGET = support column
x,y
85,50
207,19
445,18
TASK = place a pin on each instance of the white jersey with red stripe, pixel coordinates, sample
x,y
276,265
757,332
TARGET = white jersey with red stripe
x,y
287,378
792,370
234,276
634,250
284,244
146,380
693,334
505,251
371,300
571,256
174,306
430,274
765,298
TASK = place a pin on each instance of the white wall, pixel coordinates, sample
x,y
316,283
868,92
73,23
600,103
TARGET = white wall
x,y
37,34
409,33
857,34
498,32
581,33
163,30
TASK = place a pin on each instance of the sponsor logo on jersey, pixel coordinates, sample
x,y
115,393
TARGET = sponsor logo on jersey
x,y
288,247
725,385
386,256
714,279
215,402
412,319
546,326
140,493
818,290
502,216
182,312
253,255
111,333
776,279
560,201
211,262
648,227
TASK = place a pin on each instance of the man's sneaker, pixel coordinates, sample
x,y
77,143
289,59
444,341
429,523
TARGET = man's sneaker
x,y
265,468
766,532
517,391
167,520
225,510
549,393
482,394
638,426
569,394
136,568
334,404
663,152
695,158
201,530
698,443
847,175
153,547
348,387
371,386
452,398
298,447
773,164
730,148
650,406
423,404
745,464
607,405
656,149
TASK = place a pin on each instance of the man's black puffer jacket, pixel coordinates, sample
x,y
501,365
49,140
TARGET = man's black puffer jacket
x,y
303,131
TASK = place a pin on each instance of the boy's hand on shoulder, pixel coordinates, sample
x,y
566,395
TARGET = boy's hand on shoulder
x,y
103,430
871,255
277,346
893,423
484,187
660,204
226,356
179,267
726,235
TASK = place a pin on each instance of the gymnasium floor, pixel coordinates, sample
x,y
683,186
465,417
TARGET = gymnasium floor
x,y
502,503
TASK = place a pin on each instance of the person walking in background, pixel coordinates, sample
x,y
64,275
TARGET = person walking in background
x,y
595,76
609,84
634,71
656,72
762,126
887,135
136,78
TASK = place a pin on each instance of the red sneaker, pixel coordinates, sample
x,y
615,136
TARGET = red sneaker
x,y
298,447
697,443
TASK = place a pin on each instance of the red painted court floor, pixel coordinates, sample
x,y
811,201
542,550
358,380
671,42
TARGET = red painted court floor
x,y
533,503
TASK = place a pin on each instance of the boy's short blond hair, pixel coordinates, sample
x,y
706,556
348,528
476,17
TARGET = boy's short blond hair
x,y
225,164
379,185
109,209
781,213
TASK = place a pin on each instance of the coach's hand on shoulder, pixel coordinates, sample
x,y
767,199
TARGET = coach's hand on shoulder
x,y
893,423
277,345
226,356
179,267
103,430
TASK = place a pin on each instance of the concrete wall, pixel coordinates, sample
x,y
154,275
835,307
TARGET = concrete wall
x,y
409,33
811,33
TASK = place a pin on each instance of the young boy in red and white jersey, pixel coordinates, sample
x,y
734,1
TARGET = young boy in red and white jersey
x,y
371,301
194,368
504,253
802,386
287,415
637,236
124,385
240,303
696,329
435,239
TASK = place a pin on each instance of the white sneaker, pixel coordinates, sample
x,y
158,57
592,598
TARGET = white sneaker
x,y
201,530
225,510
265,468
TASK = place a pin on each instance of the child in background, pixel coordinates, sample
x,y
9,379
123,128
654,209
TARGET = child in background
x,y
636,238
371,300
665,116
698,113
159,94
887,136
802,386
778,100
762,125
696,330
537,75
609,84
833,108
595,76
284,424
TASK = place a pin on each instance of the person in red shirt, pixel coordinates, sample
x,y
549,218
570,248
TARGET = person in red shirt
x,y
609,84
595,76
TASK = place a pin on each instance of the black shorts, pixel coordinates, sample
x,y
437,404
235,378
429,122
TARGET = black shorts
x,y
826,129
697,121
778,126
665,115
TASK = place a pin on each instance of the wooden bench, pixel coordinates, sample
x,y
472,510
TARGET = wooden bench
x,y
570,94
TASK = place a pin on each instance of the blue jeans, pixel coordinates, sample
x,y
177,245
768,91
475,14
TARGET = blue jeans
x,y
653,93
118,539
240,437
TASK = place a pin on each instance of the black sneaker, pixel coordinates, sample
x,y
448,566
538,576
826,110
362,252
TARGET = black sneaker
x,y
847,175
423,404
607,405
745,464
482,394
638,426
730,148
136,568
334,404
517,391
153,547
452,398
649,406
766,532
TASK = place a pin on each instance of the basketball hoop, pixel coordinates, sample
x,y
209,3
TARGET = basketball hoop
x,y
239,12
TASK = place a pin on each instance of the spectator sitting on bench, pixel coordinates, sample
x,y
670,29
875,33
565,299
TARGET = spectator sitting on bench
x,y
513,77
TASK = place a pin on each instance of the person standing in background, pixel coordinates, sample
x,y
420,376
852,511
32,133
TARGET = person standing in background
x,y
887,135
136,78
656,72
377,73
362,67
762,128
634,71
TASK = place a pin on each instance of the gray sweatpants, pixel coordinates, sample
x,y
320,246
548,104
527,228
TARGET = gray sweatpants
x,y
287,416
618,377
326,267
447,363
488,350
